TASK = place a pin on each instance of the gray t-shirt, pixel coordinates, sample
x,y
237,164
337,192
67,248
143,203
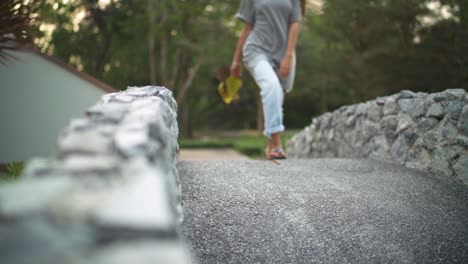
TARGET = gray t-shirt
x,y
270,20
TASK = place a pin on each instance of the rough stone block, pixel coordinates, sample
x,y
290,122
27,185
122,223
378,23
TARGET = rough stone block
x,y
455,151
426,124
381,100
410,137
140,205
440,162
463,121
461,168
374,112
325,121
406,105
168,97
350,110
404,122
37,239
106,129
419,157
79,125
144,91
87,142
362,108
462,141
32,196
109,112
435,111
389,122
454,109
331,135
351,121
123,98
143,251
418,110
90,164
106,98
431,140
448,129
38,167
391,107
390,135
450,94
370,130
399,150
405,94
380,149
136,143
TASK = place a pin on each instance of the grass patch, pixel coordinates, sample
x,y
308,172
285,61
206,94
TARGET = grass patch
x,y
249,145
13,171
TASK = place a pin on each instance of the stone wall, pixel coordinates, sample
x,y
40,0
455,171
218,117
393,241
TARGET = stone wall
x,y
419,130
112,195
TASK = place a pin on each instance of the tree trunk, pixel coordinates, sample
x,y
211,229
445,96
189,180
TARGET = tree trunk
x,y
151,41
102,55
191,73
323,97
185,125
175,69
105,31
163,46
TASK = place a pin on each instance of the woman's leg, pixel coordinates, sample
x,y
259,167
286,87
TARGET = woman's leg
x,y
272,99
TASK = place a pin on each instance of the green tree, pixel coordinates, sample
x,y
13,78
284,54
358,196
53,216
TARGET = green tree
x,y
15,20
352,51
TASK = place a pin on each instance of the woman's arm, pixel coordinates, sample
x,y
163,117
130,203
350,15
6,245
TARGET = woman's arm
x,y
292,40
236,61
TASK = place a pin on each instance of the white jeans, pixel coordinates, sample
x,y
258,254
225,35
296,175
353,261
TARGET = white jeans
x,y
272,93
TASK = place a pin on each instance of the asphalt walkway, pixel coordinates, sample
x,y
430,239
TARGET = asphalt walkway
x,y
322,211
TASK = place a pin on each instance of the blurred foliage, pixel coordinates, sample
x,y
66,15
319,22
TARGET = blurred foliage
x,y
13,171
15,20
248,144
352,51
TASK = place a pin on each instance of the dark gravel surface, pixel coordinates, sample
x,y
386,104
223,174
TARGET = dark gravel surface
x,y
322,211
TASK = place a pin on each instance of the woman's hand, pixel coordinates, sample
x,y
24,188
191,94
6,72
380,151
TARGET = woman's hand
x,y
236,61
285,67
236,69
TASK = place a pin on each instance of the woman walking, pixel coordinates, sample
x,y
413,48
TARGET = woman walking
x,y
266,47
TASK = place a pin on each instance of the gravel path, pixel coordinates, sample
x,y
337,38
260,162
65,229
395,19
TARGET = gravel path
x,y
322,211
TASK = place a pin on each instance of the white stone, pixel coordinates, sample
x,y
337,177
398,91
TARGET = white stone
x,y
32,195
461,169
404,122
374,112
420,160
436,111
390,107
406,94
84,164
109,112
90,142
419,109
142,252
440,163
463,121
406,105
140,203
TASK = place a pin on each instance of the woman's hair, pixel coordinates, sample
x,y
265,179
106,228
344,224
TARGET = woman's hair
x,y
303,6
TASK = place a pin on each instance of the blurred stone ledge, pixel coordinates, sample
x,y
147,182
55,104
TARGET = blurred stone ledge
x,y
112,195
419,130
